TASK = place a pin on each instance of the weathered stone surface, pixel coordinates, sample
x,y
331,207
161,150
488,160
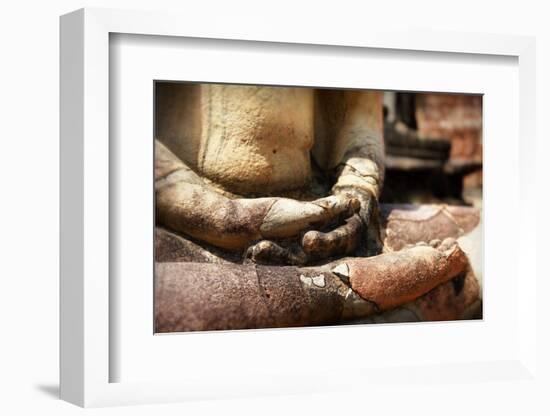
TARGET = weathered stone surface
x,y
459,298
202,296
467,218
397,315
402,225
170,247
297,297
191,294
395,278
199,296
409,224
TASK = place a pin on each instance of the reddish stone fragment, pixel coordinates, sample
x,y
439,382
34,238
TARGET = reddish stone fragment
x,y
409,224
459,298
392,279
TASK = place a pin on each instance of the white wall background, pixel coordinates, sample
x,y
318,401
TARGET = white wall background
x,y
29,116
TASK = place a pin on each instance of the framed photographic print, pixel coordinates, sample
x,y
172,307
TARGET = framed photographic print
x,y
278,213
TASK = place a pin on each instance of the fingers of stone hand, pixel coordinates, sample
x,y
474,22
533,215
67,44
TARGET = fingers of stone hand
x,y
447,244
338,204
435,243
288,217
364,198
343,239
268,252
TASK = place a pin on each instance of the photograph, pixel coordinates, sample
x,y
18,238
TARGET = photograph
x,y
291,206
275,208
243,208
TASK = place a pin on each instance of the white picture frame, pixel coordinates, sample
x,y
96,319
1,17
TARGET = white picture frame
x,y
87,303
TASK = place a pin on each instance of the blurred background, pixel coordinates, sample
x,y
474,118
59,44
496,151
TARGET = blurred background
x,y
433,148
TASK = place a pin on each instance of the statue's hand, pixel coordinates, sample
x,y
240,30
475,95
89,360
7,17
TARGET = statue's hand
x,y
367,201
233,224
345,238
369,213
288,217
186,204
316,243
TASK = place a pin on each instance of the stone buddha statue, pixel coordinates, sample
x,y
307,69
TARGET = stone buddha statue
x,y
291,176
